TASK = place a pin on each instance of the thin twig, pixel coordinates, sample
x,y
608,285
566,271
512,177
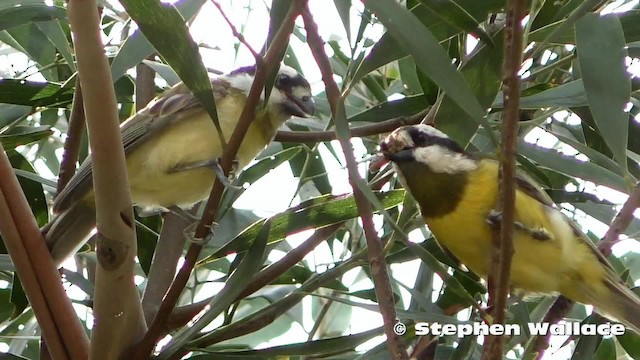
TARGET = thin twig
x,y
264,67
377,261
236,33
73,141
502,247
184,314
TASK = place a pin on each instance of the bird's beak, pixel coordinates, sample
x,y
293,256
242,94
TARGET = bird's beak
x,y
299,107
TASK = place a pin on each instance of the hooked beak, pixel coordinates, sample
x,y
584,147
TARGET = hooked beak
x,y
299,107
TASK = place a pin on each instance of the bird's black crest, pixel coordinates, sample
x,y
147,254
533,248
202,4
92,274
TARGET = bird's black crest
x,y
422,139
251,70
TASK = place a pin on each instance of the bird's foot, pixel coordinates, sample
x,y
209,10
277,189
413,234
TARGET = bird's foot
x,y
213,164
494,219
190,233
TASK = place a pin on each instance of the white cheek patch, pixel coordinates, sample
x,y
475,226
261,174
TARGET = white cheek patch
x,y
443,160
299,92
241,82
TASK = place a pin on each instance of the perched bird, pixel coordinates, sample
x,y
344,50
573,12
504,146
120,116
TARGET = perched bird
x,y
172,146
457,194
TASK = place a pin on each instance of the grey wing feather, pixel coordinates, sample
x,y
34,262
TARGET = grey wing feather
x,y
529,187
174,105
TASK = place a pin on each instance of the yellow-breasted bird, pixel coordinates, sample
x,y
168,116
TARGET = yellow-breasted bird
x,y
172,146
458,193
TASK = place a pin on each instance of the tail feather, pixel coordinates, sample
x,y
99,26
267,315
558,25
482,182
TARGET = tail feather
x,y
69,230
620,303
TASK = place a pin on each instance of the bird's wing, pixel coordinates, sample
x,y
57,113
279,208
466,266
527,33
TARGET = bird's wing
x,y
173,106
529,187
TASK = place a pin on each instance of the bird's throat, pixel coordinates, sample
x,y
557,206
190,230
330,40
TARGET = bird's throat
x,y
438,194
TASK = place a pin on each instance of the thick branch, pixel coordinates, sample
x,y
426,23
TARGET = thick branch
x,y
73,141
377,261
119,321
502,247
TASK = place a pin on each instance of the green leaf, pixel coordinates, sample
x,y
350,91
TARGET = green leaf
x,y
54,32
568,165
343,7
35,44
32,93
429,56
630,21
137,48
630,342
571,94
249,265
311,214
406,106
484,72
19,15
22,135
165,28
601,54
456,15
335,345
606,350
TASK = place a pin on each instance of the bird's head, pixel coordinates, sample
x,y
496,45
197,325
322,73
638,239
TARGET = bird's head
x,y
428,146
291,94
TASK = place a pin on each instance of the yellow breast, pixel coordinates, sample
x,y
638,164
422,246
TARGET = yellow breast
x,y
191,140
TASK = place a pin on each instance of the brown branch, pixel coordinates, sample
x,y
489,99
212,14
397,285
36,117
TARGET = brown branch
x,y
269,314
119,321
621,222
557,312
184,314
264,67
163,266
73,141
377,261
502,246
145,84
27,273
361,131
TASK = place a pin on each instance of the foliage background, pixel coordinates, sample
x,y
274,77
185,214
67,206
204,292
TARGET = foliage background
x,y
574,140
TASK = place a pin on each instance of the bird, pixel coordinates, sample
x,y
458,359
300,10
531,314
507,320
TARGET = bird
x,y
172,147
457,193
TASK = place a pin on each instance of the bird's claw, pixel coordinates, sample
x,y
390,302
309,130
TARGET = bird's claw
x,y
190,233
213,164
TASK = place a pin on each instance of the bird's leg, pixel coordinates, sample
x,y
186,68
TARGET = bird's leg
x,y
213,164
190,230
190,233
495,218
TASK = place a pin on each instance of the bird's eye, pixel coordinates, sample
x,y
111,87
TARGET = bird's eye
x,y
284,80
306,98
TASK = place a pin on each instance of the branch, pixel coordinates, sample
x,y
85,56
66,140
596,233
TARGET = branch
x,y
502,246
264,67
377,261
184,314
73,141
119,321
58,321
361,131
621,222
236,33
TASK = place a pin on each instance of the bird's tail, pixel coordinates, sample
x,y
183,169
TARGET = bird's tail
x,y
618,302
69,230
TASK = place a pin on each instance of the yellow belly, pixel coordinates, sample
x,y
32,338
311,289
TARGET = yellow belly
x,y
192,140
544,266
